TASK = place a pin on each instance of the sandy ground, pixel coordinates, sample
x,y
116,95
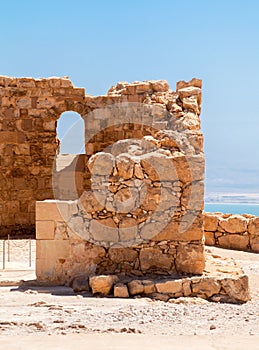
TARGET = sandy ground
x,y
35,317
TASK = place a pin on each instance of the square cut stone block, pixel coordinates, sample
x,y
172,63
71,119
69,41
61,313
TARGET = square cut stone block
x,y
52,250
45,229
54,210
51,255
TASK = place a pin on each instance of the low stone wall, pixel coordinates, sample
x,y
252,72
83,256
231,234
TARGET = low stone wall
x,y
240,232
66,248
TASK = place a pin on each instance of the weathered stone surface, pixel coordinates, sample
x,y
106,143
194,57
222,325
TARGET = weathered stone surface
x,y
135,287
102,284
210,222
149,287
209,238
158,167
119,255
154,259
206,287
121,291
104,230
234,224
254,243
253,226
170,287
234,241
92,201
125,166
190,258
101,164
237,290
144,163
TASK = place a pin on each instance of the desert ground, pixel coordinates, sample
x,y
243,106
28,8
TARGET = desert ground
x,y
34,317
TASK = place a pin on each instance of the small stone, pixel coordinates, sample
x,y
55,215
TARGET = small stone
x,y
121,291
135,287
102,284
170,287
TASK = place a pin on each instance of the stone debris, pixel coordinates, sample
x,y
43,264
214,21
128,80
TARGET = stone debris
x,y
222,281
102,284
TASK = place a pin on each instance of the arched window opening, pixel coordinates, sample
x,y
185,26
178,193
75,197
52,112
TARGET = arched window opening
x,y
71,133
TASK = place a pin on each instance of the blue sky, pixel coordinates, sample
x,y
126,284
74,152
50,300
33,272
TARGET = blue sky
x,y
97,43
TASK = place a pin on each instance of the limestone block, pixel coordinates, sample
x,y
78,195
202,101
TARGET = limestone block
x,y
253,226
209,238
125,166
102,284
128,229
190,91
237,289
189,229
45,229
51,255
210,222
24,102
193,82
52,250
126,200
61,230
205,287
159,85
170,287
52,210
135,287
191,103
158,167
119,255
77,225
154,259
254,243
234,224
149,287
190,258
104,230
101,164
234,241
121,291
92,201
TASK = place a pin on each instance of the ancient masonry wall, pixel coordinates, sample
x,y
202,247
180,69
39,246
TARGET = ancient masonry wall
x,y
29,110
240,232
140,211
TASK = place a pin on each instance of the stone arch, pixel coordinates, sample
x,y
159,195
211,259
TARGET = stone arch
x,y
71,133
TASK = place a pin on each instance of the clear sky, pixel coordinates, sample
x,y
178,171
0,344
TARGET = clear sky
x,y
97,43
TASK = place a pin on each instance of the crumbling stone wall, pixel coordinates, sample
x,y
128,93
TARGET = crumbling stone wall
x,y
143,195
232,231
141,213
29,110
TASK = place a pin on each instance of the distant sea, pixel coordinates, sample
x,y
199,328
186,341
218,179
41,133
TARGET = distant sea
x,y
232,208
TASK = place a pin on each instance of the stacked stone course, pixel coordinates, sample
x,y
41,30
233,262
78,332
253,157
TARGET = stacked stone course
x,y
232,231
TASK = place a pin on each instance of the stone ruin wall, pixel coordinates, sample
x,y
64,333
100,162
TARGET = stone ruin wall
x,y
167,127
29,110
240,232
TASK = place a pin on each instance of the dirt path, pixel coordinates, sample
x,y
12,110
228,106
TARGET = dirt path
x,y
54,316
